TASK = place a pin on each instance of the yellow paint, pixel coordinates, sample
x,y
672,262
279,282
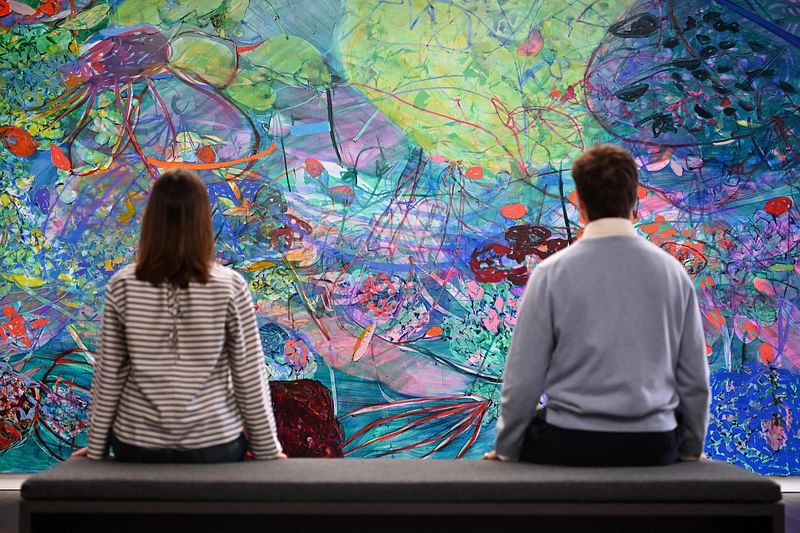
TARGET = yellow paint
x,y
25,281
362,342
260,265
130,211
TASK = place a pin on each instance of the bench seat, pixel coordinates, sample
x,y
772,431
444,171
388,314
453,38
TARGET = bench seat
x,y
398,495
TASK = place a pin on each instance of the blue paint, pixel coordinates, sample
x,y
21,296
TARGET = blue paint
x,y
299,130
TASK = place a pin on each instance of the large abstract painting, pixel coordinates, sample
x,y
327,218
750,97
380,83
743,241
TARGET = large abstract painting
x,y
386,175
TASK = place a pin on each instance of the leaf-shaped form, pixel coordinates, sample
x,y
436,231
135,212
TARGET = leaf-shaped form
x,y
253,89
86,20
291,60
211,58
196,12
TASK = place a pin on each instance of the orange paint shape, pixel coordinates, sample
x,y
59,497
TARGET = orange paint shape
x,y
206,154
764,287
573,198
434,331
766,353
750,331
39,322
474,173
314,167
715,317
650,228
706,282
514,211
210,166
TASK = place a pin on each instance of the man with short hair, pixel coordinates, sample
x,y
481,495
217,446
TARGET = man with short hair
x,y
610,331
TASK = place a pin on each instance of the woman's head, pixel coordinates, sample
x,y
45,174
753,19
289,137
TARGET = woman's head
x,y
177,240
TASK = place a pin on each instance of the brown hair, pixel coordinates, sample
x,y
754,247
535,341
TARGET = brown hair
x,y
607,180
177,238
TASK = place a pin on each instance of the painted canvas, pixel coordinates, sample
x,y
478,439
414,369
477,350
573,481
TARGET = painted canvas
x,y
387,174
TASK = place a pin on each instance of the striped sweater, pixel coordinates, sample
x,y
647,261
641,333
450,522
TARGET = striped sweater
x,y
180,368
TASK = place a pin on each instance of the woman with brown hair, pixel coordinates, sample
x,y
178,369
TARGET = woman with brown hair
x,y
180,370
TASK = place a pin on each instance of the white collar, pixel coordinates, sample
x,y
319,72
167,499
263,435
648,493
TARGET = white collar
x,y
609,227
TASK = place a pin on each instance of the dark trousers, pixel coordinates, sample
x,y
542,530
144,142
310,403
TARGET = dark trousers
x,y
230,452
548,444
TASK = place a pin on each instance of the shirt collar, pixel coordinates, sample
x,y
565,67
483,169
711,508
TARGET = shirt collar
x,y
609,227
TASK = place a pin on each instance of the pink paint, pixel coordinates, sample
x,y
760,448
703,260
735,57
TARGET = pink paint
x,y
533,45
492,321
405,371
474,290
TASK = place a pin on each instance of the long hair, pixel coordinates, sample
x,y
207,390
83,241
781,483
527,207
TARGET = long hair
x,y
177,238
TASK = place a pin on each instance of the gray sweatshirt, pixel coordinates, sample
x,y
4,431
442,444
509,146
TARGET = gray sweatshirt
x,y
609,329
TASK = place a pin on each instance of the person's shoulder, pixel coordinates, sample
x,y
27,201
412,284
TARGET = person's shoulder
x,y
562,257
121,276
117,283
126,272
659,253
228,276
552,266
672,267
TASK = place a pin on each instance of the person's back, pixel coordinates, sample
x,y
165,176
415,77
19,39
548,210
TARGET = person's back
x,y
618,311
178,392
180,369
609,330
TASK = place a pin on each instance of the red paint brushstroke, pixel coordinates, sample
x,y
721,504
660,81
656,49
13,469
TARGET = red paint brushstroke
x,y
59,158
778,206
18,141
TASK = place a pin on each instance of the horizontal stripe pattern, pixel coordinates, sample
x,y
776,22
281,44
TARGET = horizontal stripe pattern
x,y
194,390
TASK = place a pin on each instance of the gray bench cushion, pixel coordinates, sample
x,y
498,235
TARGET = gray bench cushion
x,y
396,480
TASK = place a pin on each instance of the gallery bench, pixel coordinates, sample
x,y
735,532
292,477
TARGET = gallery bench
x,y
333,495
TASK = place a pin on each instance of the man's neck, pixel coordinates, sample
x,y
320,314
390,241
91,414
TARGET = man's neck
x,y
609,227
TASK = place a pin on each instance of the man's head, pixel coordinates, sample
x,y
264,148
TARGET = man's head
x,y
607,181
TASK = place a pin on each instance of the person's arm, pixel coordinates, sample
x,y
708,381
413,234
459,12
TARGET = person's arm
x,y
250,375
110,375
526,367
691,377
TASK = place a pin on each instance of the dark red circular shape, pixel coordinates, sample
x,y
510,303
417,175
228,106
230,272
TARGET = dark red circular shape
x,y
487,263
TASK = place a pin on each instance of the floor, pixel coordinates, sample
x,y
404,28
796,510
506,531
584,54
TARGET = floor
x,y
792,502
9,511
